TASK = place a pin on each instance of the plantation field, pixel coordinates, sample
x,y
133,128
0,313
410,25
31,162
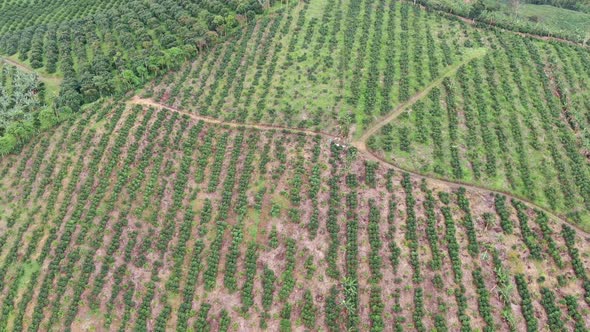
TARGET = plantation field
x,y
330,165
18,14
223,229
505,125
564,20
147,36
557,18
96,49
330,65
504,137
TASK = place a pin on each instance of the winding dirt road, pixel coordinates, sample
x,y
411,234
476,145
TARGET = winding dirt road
x,y
149,102
47,79
360,143
473,188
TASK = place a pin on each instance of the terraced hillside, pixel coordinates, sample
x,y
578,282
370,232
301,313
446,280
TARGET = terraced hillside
x,y
146,219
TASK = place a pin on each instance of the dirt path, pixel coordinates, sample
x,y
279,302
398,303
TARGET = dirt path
x,y
18,65
148,102
360,143
473,188
55,81
369,154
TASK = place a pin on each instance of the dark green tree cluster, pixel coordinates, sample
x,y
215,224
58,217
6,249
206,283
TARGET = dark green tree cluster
x,y
130,44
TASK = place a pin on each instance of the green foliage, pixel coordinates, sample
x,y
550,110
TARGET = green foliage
x,y
569,236
483,300
572,308
201,323
553,312
431,231
332,310
7,144
411,226
248,286
463,203
308,311
376,306
119,192
527,235
419,310
503,213
287,278
527,308
285,323
375,242
268,280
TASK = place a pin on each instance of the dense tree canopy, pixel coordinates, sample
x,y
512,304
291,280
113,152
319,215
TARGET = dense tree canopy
x,y
113,50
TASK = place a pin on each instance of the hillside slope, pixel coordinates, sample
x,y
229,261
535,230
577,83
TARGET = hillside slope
x,y
140,218
336,165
